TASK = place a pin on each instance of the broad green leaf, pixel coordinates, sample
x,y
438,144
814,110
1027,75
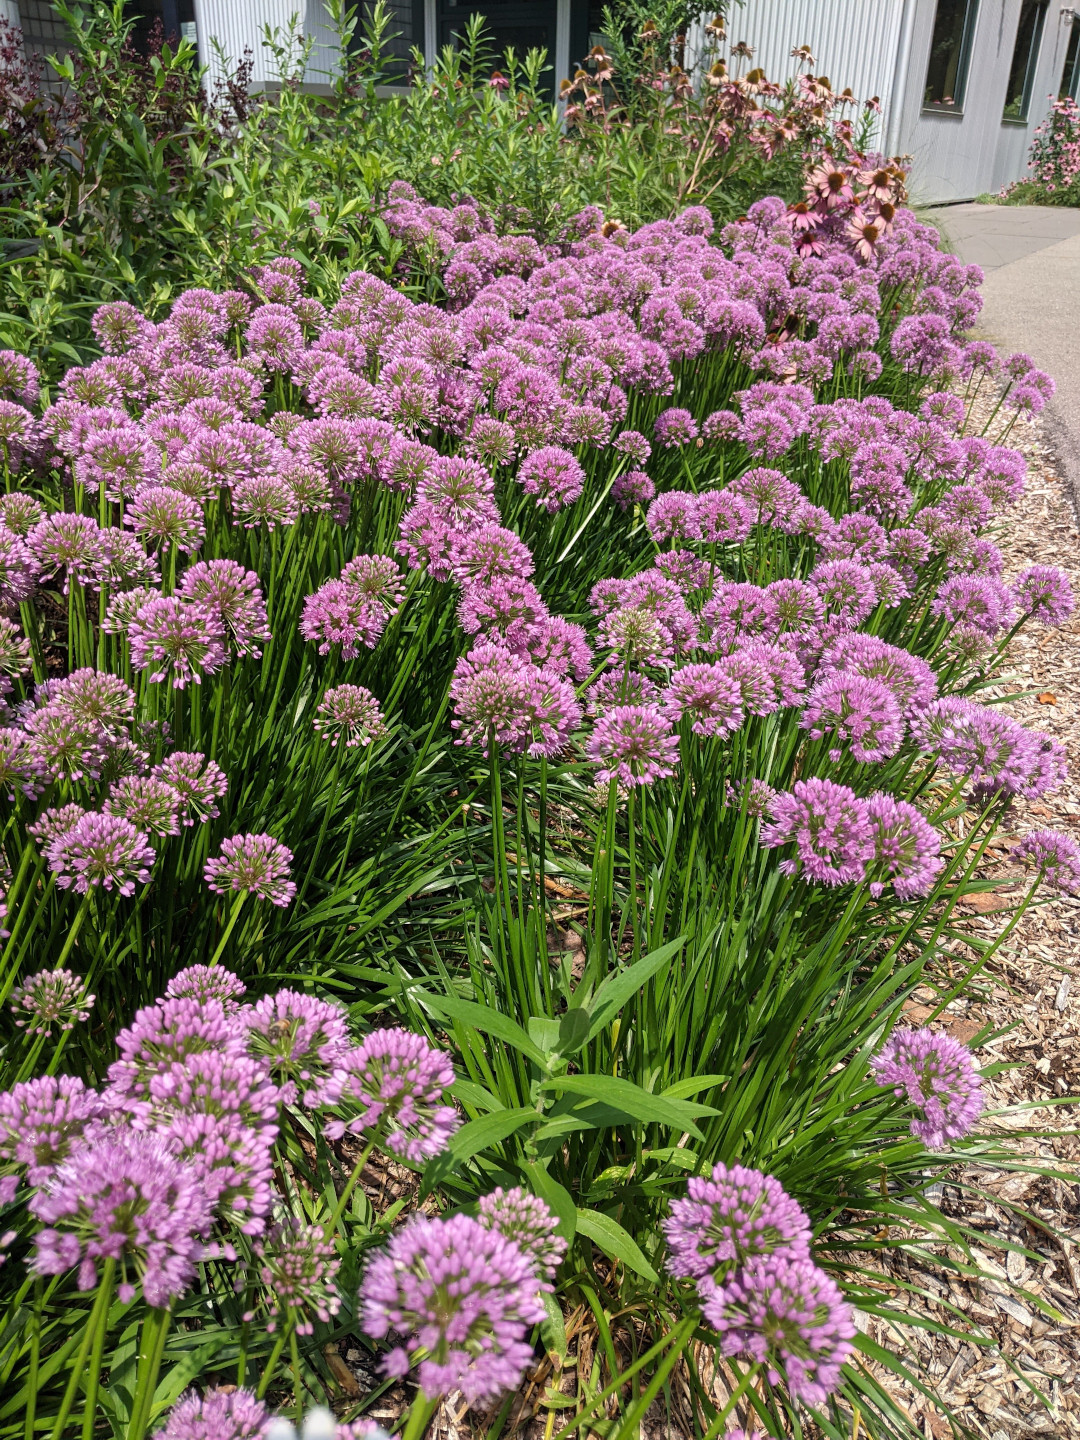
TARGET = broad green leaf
x,y
693,1085
631,1098
574,1030
484,1019
615,1242
613,993
556,1196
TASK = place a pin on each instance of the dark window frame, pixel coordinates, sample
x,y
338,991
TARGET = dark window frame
x,y
1029,39
1070,70
963,48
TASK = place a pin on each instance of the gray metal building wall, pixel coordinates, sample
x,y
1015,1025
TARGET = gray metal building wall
x,y
854,42
957,157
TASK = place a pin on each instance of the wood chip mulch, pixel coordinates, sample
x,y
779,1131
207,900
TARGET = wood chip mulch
x,y
1023,1382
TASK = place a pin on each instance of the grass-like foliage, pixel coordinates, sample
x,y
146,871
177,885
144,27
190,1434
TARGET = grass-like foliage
x,y
530,739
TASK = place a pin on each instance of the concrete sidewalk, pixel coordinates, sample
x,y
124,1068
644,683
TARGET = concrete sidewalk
x,y
1031,255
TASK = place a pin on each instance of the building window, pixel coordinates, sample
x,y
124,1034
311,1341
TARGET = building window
x,y
1025,59
1070,74
950,50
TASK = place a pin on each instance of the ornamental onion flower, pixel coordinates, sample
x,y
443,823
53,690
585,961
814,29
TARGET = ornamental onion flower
x,y
257,864
633,744
42,1120
784,1313
729,1218
51,997
124,1197
103,850
216,1415
936,1074
464,1294
298,1268
393,1084
830,828
526,1220
350,713
200,783
1056,857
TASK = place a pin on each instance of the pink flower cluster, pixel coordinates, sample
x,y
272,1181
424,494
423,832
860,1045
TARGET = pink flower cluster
x,y
175,1156
746,1245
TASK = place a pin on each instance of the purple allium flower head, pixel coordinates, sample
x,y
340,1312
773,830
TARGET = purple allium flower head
x,y
632,488
257,864
165,517
19,377
553,475
394,1083
1044,592
59,744
908,676
708,696
464,1294
216,1415
150,804
491,442
724,517
42,1120
854,710
771,494
488,553
977,600
300,1037
794,607
675,427
728,1219
720,425
20,512
937,1075
461,490
264,500
783,1312
51,997
528,1222
298,1268
768,676
620,687
62,542
125,1197
998,753
830,827
204,983
21,765
846,588
101,850
1055,855
274,334
633,744
906,848
200,784
673,516
350,713
53,823
180,637
558,646
632,444
234,597
339,614
164,1036
506,610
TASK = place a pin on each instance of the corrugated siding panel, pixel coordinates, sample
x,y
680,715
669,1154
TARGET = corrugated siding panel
x,y
956,157
240,25
854,42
